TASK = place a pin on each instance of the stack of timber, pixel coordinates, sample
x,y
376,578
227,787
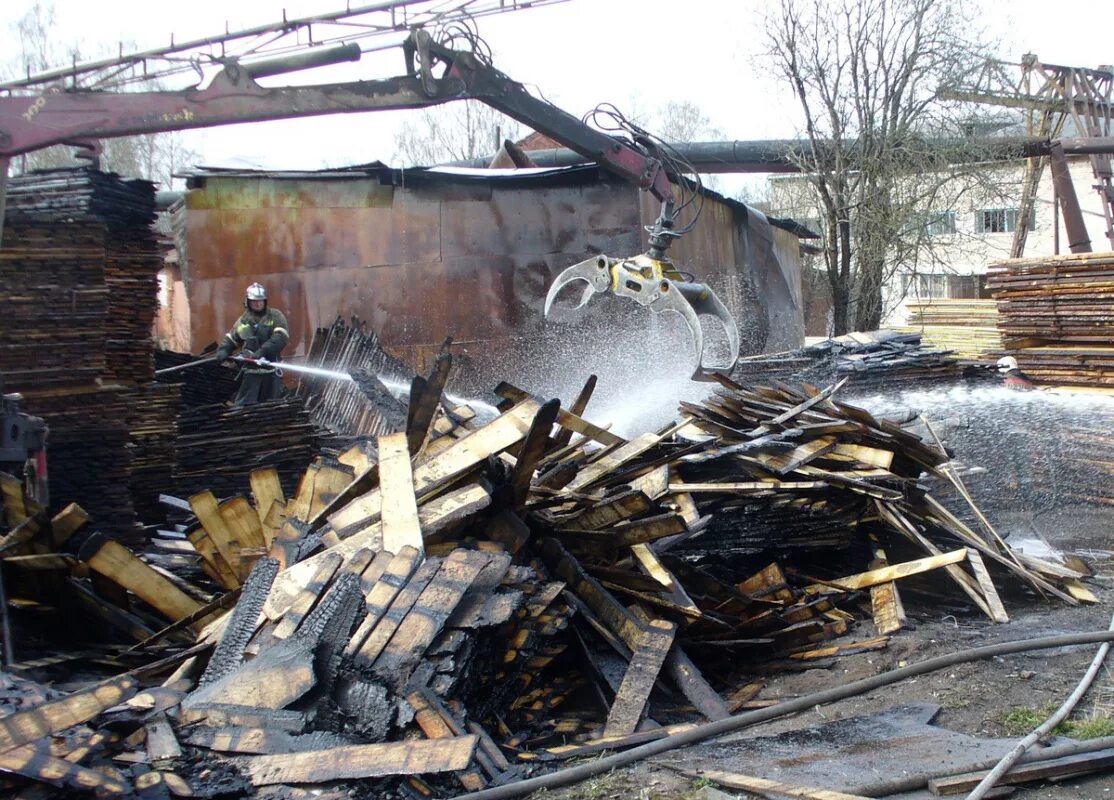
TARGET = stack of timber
x,y
217,446
875,360
79,267
482,599
203,385
364,408
1056,314
969,328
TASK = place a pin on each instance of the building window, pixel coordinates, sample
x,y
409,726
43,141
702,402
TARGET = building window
x,y
1000,220
939,287
940,224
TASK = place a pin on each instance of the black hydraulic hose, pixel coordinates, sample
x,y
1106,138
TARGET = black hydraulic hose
x,y
731,724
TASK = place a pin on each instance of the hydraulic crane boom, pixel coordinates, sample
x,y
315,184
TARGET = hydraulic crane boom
x,y
434,74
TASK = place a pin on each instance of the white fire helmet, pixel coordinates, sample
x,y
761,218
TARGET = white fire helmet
x,y
255,292
1006,363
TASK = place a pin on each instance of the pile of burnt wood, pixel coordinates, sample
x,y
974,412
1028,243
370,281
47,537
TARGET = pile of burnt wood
x,y
479,599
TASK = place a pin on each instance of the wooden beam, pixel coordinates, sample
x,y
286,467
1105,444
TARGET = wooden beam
x,y
116,562
864,580
37,763
362,761
66,523
633,695
266,488
308,597
396,483
531,452
205,506
564,436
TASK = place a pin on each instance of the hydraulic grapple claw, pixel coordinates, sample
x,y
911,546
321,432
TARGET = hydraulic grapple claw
x,y
596,272
644,280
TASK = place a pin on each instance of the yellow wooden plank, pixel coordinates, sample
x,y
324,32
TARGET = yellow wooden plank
x,y
455,505
266,488
120,565
362,761
25,727
66,523
212,561
864,580
241,518
396,483
205,506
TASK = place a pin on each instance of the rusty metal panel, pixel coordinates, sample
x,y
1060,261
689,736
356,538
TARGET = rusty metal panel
x,y
418,263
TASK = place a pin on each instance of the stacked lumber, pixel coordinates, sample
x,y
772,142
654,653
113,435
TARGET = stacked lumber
x,y
79,267
203,385
966,327
153,431
1056,314
364,408
873,361
218,446
538,588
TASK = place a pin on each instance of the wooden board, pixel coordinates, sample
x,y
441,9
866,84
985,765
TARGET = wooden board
x,y
205,506
362,761
864,580
396,484
116,562
266,488
243,522
769,788
633,695
307,598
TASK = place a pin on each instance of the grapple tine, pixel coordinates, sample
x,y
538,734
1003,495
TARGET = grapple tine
x,y
594,271
704,301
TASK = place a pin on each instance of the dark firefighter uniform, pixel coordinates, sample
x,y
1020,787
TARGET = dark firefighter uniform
x,y
260,336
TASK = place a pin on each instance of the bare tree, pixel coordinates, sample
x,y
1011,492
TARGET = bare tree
x,y
684,122
154,156
453,132
869,76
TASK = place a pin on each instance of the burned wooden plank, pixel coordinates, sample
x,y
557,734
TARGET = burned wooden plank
x,y
66,523
388,623
212,562
116,562
533,446
564,436
306,598
431,610
1064,767
435,727
565,419
266,488
25,727
765,786
362,761
633,695
887,609
241,623
35,762
261,741
433,516
396,485
162,744
424,403
382,594
864,580
614,510
243,522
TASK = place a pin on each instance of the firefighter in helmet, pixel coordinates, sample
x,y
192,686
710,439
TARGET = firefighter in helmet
x,y
261,334
1013,377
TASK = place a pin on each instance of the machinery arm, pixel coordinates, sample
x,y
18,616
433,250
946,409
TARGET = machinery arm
x,y
33,121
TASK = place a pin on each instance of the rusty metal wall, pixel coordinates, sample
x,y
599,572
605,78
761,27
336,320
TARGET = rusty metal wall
x,y
418,262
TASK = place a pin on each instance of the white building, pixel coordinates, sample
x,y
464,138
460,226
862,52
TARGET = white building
x,y
977,231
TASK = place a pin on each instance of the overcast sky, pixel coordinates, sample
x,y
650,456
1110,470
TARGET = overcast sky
x,y
579,53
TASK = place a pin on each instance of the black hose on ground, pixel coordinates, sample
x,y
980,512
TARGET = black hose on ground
x,y
731,724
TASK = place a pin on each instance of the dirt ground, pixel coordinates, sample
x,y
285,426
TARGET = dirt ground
x,y
974,697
